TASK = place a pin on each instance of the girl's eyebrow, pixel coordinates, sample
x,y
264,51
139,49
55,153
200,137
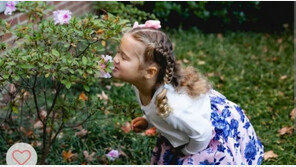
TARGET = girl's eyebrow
x,y
122,51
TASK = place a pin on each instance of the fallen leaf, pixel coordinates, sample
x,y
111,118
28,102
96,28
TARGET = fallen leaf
x,y
185,61
81,133
108,87
126,128
12,88
280,40
106,112
283,77
293,114
26,95
29,133
83,97
219,35
68,155
265,49
103,96
43,114
36,143
38,125
201,62
210,74
89,157
269,154
118,84
150,132
286,130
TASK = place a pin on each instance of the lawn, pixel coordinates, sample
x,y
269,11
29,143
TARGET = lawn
x,y
254,70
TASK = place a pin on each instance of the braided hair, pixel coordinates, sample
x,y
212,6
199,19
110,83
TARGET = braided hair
x,y
159,50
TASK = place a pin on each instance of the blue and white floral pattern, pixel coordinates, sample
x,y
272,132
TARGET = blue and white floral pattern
x,y
234,139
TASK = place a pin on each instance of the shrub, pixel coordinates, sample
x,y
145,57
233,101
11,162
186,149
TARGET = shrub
x,y
50,57
125,10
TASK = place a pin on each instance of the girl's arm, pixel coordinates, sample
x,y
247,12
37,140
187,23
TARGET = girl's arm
x,y
195,122
198,130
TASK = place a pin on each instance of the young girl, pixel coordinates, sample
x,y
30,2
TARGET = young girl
x,y
197,125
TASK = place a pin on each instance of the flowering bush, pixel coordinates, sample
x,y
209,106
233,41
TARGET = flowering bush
x,y
49,57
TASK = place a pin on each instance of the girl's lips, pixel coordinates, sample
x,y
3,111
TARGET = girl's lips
x,y
115,69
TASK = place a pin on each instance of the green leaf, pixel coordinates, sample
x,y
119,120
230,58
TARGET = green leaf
x,y
89,71
47,75
6,76
16,77
55,52
86,88
26,66
71,71
80,71
67,84
66,45
84,60
47,67
15,109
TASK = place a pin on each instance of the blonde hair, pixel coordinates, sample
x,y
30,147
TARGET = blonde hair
x,y
159,49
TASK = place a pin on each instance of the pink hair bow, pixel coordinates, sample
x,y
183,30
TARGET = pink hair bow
x,y
149,23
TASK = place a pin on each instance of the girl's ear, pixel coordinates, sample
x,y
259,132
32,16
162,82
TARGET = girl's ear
x,y
151,72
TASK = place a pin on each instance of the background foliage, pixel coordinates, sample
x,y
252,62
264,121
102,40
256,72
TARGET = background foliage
x,y
216,16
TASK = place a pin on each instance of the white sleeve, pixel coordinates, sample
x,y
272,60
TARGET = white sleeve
x,y
195,122
149,124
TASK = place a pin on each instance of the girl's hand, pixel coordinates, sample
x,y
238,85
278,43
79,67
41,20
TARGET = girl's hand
x,y
139,124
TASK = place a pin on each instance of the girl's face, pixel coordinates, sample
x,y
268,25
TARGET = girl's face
x,y
127,60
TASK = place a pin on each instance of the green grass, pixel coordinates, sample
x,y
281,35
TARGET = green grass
x,y
245,67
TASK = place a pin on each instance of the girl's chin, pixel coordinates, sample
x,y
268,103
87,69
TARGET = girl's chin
x,y
115,75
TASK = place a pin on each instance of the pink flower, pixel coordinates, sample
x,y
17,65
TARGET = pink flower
x,y
10,7
112,155
149,23
62,16
105,75
107,58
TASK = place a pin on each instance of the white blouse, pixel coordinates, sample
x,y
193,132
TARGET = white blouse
x,y
188,123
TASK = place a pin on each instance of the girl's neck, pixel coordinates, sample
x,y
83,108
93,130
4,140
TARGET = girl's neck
x,y
146,91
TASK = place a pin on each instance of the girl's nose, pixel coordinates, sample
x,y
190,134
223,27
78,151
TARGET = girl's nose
x,y
116,60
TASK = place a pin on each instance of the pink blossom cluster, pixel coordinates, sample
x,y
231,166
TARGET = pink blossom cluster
x,y
106,59
62,17
10,7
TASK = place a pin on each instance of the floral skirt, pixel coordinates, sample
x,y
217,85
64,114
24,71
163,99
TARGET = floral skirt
x,y
234,140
